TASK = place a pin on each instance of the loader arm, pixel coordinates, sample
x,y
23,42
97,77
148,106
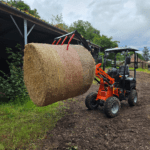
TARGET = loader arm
x,y
103,76
73,34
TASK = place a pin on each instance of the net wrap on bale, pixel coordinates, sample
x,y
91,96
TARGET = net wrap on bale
x,y
52,73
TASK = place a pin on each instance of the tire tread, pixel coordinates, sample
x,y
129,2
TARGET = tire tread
x,y
88,99
108,104
131,98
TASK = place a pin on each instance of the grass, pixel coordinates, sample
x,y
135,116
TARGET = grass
x,y
141,70
95,82
22,125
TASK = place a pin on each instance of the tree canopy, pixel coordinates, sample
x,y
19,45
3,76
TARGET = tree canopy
x,y
23,6
87,31
146,54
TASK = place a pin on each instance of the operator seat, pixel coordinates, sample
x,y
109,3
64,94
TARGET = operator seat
x,y
121,70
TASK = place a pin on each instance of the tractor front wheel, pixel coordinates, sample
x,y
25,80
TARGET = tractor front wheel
x,y
133,98
91,102
112,107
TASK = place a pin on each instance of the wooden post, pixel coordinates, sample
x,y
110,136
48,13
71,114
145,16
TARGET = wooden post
x,y
142,65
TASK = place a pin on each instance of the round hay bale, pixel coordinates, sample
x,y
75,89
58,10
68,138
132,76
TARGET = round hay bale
x,y
88,72
52,73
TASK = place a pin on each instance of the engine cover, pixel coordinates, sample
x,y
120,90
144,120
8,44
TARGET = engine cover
x,y
129,83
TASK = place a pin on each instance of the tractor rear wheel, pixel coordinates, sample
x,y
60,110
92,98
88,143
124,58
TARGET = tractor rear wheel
x,y
91,102
112,107
133,98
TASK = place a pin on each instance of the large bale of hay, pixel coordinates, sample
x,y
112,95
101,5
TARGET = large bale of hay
x,y
52,73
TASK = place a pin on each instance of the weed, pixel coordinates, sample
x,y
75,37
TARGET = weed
x,y
73,148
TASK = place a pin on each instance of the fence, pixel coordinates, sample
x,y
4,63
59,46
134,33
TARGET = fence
x,y
143,65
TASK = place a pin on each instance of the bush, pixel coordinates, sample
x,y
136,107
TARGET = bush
x,y
14,87
108,64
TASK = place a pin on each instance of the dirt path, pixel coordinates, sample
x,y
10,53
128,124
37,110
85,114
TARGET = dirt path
x,y
92,130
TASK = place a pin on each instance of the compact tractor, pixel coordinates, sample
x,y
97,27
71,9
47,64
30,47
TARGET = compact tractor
x,y
115,85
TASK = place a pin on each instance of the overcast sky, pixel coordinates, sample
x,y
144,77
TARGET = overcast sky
x,y
126,21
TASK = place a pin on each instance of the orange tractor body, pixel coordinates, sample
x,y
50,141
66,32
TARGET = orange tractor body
x,y
105,92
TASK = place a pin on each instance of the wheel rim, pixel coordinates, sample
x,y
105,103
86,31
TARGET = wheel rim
x,y
93,102
135,99
115,108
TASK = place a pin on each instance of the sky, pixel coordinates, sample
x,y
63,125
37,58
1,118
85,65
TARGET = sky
x,y
127,21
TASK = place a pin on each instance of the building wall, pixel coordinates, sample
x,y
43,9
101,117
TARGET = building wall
x,y
142,64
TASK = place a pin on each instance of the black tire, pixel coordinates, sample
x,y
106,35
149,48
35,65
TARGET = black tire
x,y
133,98
90,101
112,102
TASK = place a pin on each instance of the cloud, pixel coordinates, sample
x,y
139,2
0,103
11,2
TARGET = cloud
x,y
126,21
76,10
91,4
47,8
143,8
140,52
122,20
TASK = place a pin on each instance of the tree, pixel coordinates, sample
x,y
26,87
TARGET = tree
x,y
58,22
119,57
22,6
57,19
146,54
105,43
85,29
140,56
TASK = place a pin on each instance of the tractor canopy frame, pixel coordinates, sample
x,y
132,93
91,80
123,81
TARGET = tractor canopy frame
x,y
126,50
127,59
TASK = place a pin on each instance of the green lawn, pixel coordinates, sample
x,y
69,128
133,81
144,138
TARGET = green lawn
x,y
140,69
21,125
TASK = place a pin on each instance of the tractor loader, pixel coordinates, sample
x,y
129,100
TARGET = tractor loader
x,y
115,85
